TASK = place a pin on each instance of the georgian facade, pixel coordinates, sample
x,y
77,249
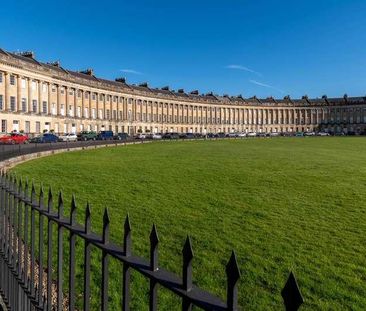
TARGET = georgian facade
x,y
37,97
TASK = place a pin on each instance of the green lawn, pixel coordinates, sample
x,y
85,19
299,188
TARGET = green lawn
x,y
282,204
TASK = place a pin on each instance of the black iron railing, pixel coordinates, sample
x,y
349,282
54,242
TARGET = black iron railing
x,y
22,269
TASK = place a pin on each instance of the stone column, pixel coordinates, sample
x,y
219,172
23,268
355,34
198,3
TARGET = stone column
x,y
29,95
49,90
58,104
67,112
40,104
6,97
18,106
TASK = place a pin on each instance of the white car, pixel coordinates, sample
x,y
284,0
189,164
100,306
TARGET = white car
x,y
251,134
323,134
156,136
242,134
68,137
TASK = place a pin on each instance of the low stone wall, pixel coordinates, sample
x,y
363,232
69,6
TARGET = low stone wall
x,y
10,163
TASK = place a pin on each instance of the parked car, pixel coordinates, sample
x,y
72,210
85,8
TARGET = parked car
x,y
121,136
323,134
141,136
274,134
261,134
68,137
105,135
309,133
171,136
299,134
187,136
14,138
211,135
220,135
85,135
231,135
242,134
45,138
156,136
251,134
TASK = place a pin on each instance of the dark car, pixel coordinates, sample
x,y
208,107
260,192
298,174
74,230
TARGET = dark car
x,y
85,135
171,136
187,136
220,135
121,136
105,135
45,138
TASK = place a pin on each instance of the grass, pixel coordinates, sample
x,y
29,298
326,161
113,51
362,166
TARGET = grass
x,y
282,204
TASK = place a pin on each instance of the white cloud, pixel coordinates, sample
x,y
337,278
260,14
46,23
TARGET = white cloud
x,y
243,68
266,85
135,72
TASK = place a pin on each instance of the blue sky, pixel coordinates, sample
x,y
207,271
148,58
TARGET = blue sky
x,y
263,48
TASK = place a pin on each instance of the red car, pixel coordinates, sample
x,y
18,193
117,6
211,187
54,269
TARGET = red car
x,y
14,138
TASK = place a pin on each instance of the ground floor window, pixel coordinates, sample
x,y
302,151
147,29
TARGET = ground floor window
x,y
38,127
27,127
3,126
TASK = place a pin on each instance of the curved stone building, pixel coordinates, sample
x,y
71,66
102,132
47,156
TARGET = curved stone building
x,y
37,97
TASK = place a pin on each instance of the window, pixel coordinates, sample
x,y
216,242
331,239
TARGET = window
x,y
38,127
79,112
93,113
86,95
34,85
12,103
114,114
62,110
101,97
86,113
79,93
93,96
3,126
44,107
108,114
53,88
44,88
1,77
27,127
23,83
70,111
1,102
12,80
53,109
24,104
34,105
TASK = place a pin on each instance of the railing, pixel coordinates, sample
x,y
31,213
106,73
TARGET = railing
x,y
22,289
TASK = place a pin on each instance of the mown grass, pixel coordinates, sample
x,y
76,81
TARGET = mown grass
x,y
282,204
